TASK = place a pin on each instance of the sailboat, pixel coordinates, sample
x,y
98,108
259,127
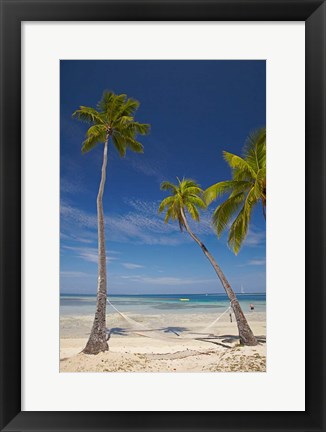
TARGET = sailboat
x,y
242,290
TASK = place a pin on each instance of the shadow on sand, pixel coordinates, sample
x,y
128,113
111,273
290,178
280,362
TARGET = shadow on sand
x,y
119,331
221,340
175,330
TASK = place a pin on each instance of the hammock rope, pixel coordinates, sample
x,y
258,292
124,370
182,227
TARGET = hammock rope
x,y
142,330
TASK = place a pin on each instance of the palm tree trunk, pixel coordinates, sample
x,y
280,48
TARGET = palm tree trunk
x,y
264,209
97,341
245,333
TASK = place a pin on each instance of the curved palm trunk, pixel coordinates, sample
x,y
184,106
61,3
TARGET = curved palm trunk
x,y
97,341
264,209
245,333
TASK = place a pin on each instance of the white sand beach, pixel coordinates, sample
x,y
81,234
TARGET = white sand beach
x,y
177,344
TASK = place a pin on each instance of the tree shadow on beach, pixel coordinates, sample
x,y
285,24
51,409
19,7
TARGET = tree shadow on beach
x,y
175,330
222,340
119,331
261,339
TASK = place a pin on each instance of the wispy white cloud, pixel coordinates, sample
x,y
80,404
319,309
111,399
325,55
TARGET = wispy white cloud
x,y
77,239
90,254
69,187
255,237
146,215
131,266
257,262
74,215
151,170
82,240
141,224
74,274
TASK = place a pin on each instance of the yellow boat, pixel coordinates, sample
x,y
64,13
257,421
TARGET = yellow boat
x,y
184,299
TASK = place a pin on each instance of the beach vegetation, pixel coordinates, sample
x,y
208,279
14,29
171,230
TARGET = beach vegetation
x,y
186,198
111,124
245,190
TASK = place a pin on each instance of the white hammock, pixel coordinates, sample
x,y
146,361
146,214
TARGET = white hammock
x,y
142,330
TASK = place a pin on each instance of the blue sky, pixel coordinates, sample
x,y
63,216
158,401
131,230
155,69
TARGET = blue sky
x,y
196,109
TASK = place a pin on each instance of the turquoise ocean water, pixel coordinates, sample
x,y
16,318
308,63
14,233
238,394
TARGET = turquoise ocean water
x,y
74,304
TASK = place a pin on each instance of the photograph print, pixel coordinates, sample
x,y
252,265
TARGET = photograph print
x,y
163,209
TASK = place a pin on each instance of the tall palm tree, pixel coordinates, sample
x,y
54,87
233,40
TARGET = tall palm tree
x,y
186,196
112,121
246,189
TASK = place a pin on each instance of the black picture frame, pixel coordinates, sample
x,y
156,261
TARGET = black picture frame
x,y
13,13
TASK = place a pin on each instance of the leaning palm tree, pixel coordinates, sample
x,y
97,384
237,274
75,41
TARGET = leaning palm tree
x,y
112,121
186,196
246,189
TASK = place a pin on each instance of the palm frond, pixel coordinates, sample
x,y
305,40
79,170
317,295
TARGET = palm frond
x,y
239,163
247,187
110,104
90,142
185,195
168,201
255,149
131,129
97,129
260,184
192,210
119,144
239,175
193,190
238,231
186,183
134,145
140,128
114,117
219,189
197,201
167,186
122,121
239,228
127,108
88,115
168,214
106,101
225,211
116,107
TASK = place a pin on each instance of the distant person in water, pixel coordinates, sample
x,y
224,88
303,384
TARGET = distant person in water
x,y
252,307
